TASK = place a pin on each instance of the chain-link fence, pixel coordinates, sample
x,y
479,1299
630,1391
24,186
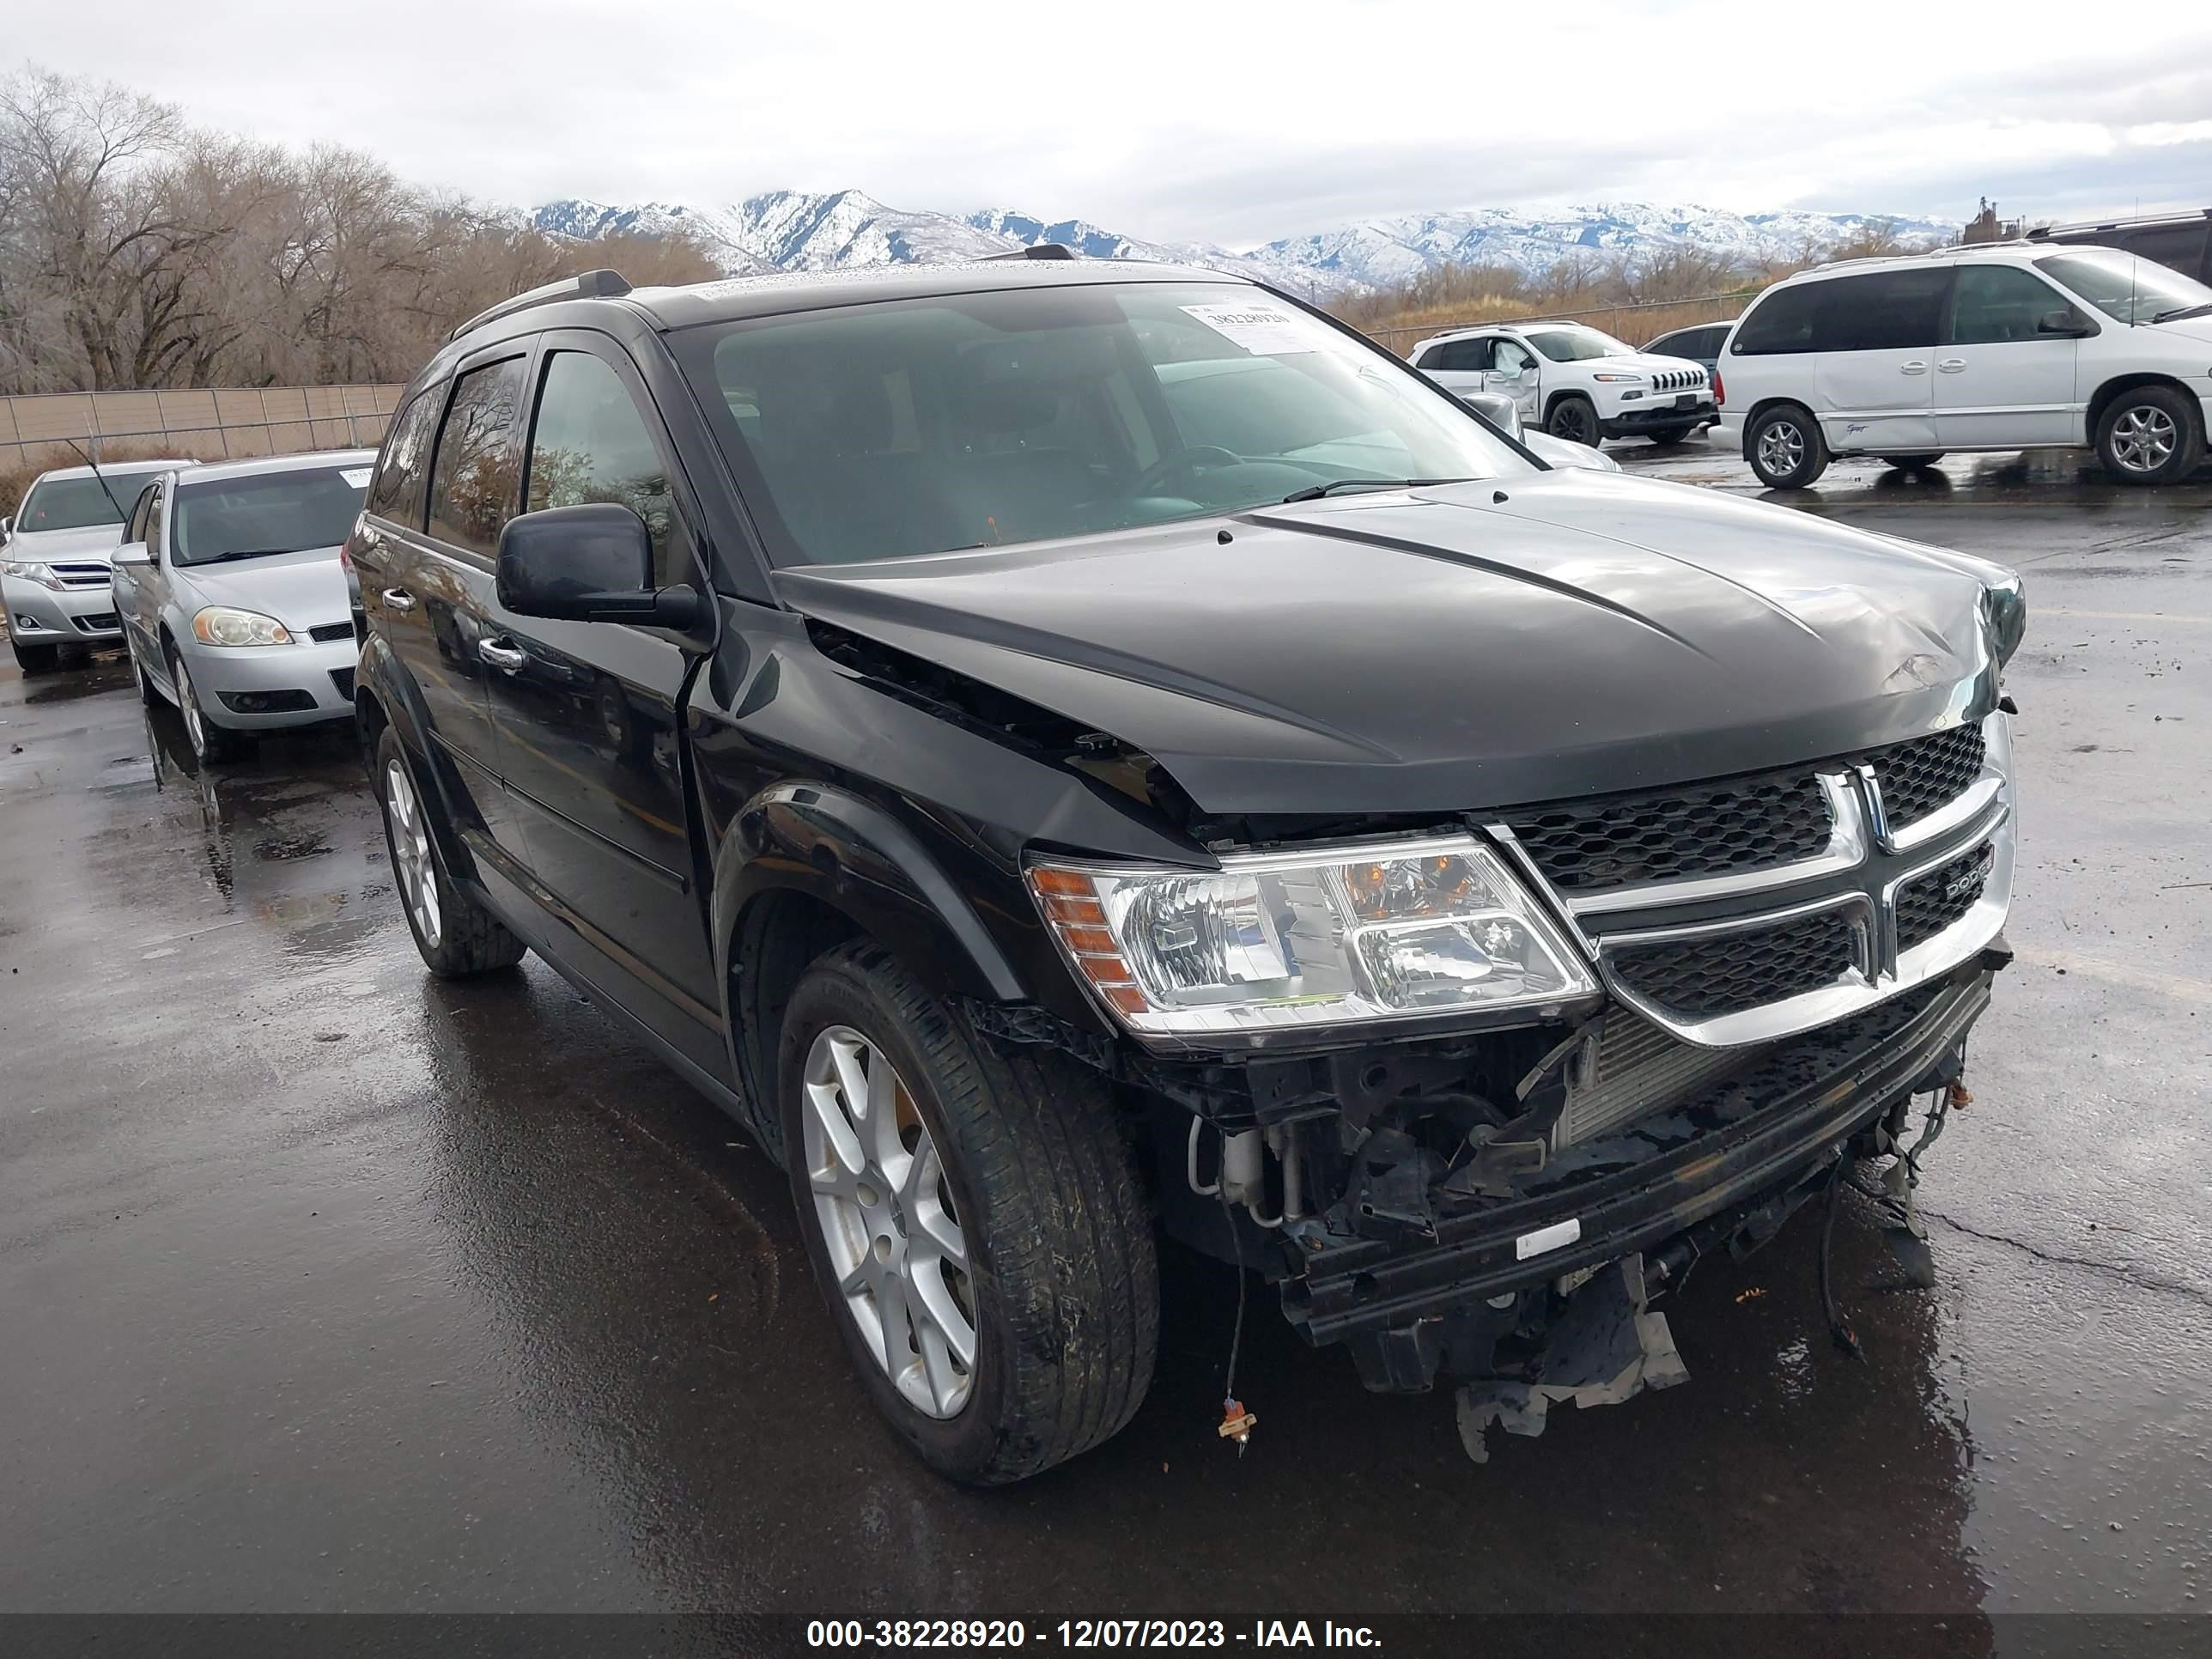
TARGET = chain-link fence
x,y
1637,321
207,424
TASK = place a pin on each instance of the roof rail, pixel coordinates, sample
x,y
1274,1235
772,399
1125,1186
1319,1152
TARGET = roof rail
x,y
592,285
1035,250
2178,215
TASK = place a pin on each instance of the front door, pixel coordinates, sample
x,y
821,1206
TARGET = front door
x,y
425,567
135,582
1999,382
1514,371
588,713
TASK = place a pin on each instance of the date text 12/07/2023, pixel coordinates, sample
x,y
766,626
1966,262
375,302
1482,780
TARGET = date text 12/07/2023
x,y
1081,1633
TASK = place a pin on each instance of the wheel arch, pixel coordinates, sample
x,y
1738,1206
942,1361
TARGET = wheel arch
x,y
2106,394
804,867
1752,416
384,698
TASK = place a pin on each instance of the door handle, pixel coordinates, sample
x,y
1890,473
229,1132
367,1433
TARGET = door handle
x,y
1951,366
1915,367
399,599
505,658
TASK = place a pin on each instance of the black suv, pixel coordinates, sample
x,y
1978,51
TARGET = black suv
x,y
1066,749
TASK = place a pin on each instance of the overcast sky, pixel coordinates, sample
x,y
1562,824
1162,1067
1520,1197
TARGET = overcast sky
x,y
1232,123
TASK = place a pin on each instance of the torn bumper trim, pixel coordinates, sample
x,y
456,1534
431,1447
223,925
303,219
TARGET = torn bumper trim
x,y
1367,1285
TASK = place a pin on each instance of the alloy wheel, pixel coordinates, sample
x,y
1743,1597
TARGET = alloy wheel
x,y
889,1222
1573,424
410,853
2144,438
1782,447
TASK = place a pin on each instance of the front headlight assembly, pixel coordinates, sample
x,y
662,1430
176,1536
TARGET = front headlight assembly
x,y
223,625
30,570
1320,937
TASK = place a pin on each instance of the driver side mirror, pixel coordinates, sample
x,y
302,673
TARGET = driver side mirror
x,y
7,527
2066,322
131,553
592,563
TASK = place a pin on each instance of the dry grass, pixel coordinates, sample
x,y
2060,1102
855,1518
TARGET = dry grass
x,y
15,480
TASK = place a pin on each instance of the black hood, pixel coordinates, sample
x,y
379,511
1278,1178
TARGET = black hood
x,y
1450,649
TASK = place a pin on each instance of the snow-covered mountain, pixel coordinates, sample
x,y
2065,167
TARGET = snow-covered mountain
x,y
800,230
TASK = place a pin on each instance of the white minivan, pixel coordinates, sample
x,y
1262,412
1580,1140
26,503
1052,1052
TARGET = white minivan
x,y
2002,346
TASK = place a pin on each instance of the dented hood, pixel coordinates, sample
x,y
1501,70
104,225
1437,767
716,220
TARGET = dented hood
x,y
1455,649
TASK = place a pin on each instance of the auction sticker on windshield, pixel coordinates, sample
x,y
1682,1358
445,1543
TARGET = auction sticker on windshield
x,y
1262,329
357,477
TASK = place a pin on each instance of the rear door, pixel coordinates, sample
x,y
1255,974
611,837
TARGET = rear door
x,y
1999,382
588,712
451,481
1457,365
1873,348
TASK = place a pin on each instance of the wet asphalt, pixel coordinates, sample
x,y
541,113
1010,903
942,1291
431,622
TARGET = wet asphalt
x,y
328,1287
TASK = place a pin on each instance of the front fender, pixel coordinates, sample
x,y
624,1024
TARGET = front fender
x,y
831,845
828,845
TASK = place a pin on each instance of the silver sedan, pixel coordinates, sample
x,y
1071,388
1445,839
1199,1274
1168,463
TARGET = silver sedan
x,y
232,602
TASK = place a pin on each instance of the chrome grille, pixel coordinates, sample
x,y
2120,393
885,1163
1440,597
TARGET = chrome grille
x,y
1727,973
1919,776
81,575
1699,829
1925,906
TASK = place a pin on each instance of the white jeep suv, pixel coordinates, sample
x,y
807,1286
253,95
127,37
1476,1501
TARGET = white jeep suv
x,y
2002,346
1574,382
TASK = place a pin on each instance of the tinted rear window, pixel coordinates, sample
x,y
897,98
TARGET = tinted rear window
x,y
397,492
1880,311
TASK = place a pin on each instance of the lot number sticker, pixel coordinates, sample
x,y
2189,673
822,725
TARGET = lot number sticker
x,y
1264,329
357,477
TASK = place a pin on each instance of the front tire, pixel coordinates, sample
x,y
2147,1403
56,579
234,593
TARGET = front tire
x,y
1574,418
457,935
1785,448
975,1222
212,745
2151,435
34,659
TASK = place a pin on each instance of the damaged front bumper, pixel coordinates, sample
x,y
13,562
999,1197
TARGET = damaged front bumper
x,y
1725,1166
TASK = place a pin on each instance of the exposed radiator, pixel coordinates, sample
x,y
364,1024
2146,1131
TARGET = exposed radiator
x,y
1629,1067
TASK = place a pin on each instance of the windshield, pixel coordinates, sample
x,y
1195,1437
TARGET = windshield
x,y
2123,286
274,513
972,420
1573,343
78,503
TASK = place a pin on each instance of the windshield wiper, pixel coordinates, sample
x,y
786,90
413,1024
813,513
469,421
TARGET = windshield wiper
x,y
248,553
2180,312
1315,492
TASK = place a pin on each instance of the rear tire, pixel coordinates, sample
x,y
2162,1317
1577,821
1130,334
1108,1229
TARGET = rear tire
x,y
1666,437
2151,435
1056,1288
212,745
1574,417
457,935
147,692
1785,448
1914,462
